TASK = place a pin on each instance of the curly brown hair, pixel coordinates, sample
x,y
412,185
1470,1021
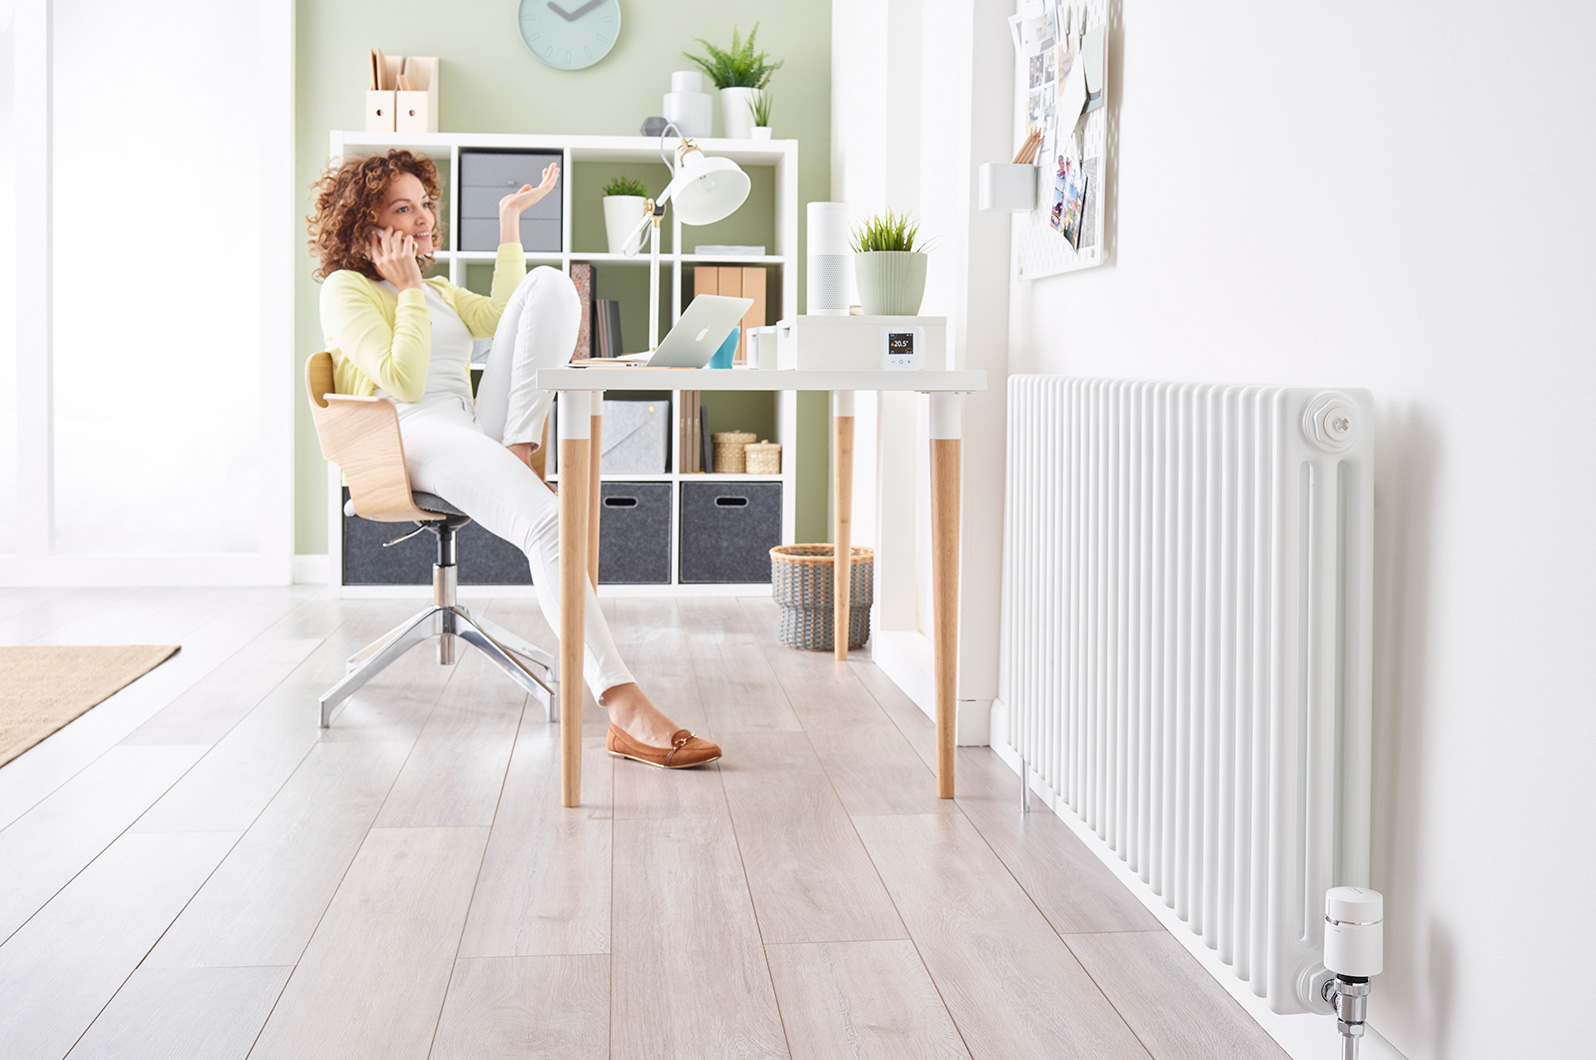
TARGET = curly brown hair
x,y
349,196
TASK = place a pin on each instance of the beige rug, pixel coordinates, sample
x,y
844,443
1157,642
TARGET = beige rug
x,y
43,688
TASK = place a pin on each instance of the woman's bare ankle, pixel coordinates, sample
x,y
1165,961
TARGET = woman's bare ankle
x,y
632,712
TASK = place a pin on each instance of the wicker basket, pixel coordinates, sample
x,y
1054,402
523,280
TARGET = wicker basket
x,y
801,581
729,457
764,458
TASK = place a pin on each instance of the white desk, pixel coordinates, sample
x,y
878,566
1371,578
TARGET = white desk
x,y
581,389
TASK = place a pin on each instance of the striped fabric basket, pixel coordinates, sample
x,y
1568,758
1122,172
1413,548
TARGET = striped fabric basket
x,y
801,581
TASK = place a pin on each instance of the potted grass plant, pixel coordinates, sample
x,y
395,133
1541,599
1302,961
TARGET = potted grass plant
x,y
738,72
760,105
623,208
889,263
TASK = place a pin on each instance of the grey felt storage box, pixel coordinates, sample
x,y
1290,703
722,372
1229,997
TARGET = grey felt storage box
x,y
636,435
728,530
483,558
488,176
634,533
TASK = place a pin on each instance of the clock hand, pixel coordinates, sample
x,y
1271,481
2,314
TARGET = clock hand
x,y
572,16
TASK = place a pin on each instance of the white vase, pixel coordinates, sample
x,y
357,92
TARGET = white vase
x,y
621,214
688,106
761,132
737,113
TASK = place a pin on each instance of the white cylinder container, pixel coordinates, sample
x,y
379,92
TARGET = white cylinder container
x,y
1354,931
829,259
689,106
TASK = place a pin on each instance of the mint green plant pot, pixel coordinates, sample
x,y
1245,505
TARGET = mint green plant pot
x,y
891,282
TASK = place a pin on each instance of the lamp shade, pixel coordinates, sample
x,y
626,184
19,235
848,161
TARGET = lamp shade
x,y
706,189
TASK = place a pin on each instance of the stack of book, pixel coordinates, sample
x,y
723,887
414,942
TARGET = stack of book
x,y
694,442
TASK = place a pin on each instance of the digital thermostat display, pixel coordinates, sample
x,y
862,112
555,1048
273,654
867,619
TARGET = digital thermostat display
x,y
900,348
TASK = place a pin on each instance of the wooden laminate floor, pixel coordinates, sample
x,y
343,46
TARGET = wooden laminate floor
x,y
194,870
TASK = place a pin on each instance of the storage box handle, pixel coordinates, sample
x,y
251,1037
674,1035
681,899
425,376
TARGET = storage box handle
x,y
731,502
620,502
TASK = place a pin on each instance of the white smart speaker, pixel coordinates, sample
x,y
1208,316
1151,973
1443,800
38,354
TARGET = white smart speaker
x,y
829,259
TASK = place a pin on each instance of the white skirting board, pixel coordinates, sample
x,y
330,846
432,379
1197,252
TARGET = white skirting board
x,y
312,568
1303,1037
905,656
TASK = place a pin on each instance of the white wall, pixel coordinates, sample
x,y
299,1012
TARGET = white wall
x,y
910,78
8,273
1399,197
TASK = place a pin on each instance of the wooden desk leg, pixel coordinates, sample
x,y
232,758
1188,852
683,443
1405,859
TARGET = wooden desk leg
x,y
945,458
842,517
575,455
594,493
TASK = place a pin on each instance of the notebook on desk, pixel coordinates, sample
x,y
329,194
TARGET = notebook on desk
x,y
691,343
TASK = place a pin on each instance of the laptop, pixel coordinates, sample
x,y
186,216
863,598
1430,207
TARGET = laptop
x,y
698,334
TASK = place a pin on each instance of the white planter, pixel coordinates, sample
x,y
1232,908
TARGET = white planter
x,y
621,214
761,132
737,113
891,282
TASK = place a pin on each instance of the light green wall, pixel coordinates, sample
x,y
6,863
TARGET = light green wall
x,y
489,82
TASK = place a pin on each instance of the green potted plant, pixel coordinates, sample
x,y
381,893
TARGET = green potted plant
x,y
738,72
760,105
623,208
889,263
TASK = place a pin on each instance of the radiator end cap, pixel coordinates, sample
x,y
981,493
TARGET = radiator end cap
x,y
1330,421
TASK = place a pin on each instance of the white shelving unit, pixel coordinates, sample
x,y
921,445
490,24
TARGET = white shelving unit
x,y
778,155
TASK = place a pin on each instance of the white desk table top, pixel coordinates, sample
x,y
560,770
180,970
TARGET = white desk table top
x,y
618,378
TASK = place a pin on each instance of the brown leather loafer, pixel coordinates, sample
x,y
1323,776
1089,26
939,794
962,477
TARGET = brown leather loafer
x,y
685,751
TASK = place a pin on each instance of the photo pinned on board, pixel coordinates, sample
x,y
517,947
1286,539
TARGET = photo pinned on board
x,y
1089,212
1069,195
1038,103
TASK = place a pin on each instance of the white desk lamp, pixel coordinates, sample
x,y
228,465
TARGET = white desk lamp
x,y
706,190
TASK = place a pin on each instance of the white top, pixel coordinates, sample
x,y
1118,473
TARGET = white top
x,y
618,378
1354,905
449,370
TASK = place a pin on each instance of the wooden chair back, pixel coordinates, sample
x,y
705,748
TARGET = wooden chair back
x,y
361,436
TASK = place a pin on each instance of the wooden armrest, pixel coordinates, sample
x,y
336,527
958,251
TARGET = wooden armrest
x,y
361,436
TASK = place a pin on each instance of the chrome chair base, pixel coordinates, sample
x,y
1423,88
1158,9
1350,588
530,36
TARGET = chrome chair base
x,y
534,669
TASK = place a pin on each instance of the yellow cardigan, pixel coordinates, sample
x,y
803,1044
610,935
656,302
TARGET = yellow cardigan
x,y
379,339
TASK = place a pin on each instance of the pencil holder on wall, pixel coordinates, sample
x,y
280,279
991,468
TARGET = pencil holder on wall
x,y
1008,187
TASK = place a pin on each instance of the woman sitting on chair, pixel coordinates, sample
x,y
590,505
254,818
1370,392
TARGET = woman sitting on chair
x,y
394,334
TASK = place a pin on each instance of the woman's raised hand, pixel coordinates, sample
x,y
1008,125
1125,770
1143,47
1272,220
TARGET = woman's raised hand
x,y
394,255
517,201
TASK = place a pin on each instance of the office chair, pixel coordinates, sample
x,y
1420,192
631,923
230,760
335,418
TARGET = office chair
x,y
361,436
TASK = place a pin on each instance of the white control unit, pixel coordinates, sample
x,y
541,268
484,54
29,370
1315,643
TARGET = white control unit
x,y
862,343
900,348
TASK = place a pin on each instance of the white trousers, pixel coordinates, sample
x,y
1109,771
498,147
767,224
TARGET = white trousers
x,y
459,453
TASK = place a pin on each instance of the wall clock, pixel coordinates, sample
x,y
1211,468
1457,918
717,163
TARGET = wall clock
x,y
570,34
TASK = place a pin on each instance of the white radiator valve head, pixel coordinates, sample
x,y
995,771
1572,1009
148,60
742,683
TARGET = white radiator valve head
x,y
1354,932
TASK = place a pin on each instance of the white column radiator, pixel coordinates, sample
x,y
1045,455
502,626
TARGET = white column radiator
x,y
1187,600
